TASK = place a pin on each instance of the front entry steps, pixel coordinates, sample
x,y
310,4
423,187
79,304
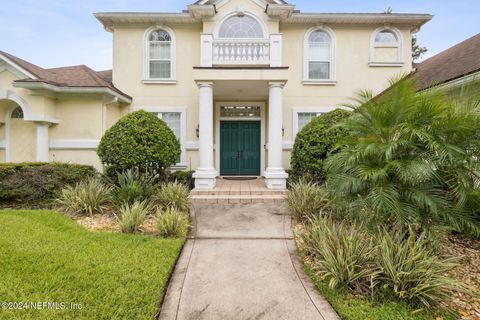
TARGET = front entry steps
x,y
238,192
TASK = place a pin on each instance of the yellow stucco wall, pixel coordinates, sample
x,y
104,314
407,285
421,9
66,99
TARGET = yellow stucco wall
x,y
88,157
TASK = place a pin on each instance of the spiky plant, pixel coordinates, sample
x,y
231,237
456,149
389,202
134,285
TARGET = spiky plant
x,y
411,158
132,216
173,194
410,266
306,200
86,197
173,223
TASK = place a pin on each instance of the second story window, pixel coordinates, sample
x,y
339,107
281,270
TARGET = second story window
x,y
386,47
319,55
241,27
160,55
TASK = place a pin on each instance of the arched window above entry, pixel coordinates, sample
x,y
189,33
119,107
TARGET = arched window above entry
x,y
17,113
241,27
160,54
386,47
319,55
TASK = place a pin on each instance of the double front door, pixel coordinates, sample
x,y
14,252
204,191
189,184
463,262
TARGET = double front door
x,y
240,148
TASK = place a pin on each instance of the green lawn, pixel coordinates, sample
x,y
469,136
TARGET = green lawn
x,y
47,257
351,307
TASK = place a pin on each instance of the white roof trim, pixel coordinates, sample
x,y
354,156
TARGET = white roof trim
x,y
17,67
46,86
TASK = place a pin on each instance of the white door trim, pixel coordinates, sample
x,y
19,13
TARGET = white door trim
x,y
262,105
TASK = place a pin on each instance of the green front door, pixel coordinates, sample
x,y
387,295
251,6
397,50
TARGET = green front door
x,y
240,148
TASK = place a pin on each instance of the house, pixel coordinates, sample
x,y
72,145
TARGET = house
x,y
451,69
234,79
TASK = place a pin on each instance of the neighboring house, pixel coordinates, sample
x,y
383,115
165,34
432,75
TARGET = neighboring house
x,y
234,79
451,69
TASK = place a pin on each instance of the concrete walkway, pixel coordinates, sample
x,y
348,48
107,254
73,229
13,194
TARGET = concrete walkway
x,y
241,263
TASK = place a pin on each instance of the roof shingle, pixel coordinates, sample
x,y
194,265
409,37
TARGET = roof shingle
x,y
458,61
72,76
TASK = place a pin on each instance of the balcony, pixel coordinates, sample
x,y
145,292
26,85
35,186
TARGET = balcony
x,y
241,52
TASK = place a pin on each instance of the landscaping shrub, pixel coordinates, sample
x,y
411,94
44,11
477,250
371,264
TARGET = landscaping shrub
x,y
173,194
185,177
306,200
409,266
32,184
315,142
410,158
132,216
86,197
172,223
342,254
139,140
132,185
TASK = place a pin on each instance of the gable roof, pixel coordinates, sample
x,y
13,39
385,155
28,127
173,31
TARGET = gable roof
x,y
80,76
456,62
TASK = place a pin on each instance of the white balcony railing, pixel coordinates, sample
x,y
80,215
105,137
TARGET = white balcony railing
x,y
241,51
266,52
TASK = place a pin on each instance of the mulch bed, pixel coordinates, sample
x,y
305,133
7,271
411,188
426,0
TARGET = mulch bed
x,y
468,250
108,223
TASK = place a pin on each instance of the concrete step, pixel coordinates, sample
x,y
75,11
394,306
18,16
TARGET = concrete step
x,y
259,192
237,199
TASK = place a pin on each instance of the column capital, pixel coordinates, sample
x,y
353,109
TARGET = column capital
x,y
277,84
205,84
43,123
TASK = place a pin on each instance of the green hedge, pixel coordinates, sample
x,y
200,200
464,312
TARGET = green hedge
x,y
37,184
185,177
314,143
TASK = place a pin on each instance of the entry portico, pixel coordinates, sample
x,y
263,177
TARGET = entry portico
x,y
234,96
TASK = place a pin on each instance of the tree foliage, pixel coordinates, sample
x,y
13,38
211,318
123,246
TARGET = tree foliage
x,y
315,142
139,140
417,50
411,158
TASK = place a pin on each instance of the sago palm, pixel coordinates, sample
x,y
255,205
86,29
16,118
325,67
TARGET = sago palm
x,y
411,158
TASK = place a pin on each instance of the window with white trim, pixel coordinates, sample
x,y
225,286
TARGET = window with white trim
x,y
386,46
17,113
241,27
304,118
160,55
319,55
175,120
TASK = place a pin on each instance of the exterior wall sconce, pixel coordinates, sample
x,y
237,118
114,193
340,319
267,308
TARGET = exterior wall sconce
x,y
197,131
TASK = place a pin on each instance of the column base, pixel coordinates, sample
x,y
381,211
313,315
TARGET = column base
x,y
276,178
205,178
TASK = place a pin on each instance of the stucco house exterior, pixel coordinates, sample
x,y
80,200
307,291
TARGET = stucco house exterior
x,y
234,79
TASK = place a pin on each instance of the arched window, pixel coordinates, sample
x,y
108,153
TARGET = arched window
x,y
17,113
241,27
319,55
160,55
386,47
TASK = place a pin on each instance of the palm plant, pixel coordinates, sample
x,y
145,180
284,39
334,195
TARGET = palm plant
x,y
411,158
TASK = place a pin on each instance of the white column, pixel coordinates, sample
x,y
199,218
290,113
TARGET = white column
x,y
205,176
42,141
275,175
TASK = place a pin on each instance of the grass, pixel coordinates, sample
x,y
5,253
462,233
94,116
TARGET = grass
x,y
47,257
352,307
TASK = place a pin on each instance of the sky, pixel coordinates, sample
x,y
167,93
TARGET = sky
x,y
54,33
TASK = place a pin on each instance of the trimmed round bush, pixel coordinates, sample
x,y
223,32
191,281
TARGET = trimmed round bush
x,y
315,142
139,140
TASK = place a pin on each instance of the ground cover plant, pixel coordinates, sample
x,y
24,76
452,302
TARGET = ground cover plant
x,y
45,256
